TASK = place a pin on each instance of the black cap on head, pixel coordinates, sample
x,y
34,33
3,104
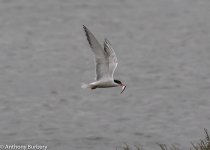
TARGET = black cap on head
x,y
118,81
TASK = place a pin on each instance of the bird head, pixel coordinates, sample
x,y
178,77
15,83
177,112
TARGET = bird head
x,y
120,84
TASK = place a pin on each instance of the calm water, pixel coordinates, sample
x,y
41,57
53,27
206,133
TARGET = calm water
x,y
164,57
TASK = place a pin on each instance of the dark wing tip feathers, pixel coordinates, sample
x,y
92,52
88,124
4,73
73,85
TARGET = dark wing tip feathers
x,y
87,35
84,27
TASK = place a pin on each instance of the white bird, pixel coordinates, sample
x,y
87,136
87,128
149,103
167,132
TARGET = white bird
x,y
106,63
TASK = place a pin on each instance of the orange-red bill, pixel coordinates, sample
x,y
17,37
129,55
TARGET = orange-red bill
x,y
123,88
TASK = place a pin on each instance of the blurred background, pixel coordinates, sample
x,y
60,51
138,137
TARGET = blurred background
x,y
163,48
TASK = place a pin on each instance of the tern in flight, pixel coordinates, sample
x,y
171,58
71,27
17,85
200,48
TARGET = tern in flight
x,y
106,63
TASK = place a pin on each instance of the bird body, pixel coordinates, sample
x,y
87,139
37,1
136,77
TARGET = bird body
x,y
100,84
106,63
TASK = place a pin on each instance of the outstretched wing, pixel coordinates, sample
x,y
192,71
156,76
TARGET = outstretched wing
x,y
111,57
102,62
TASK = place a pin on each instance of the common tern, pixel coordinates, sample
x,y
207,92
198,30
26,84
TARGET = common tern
x,y
106,63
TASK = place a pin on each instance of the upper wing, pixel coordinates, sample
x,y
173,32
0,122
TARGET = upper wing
x,y
102,62
111,57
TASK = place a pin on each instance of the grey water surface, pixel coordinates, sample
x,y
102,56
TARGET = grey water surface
x,y
163,48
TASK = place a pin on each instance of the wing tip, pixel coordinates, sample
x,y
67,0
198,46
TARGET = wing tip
x,y
84,27
87,32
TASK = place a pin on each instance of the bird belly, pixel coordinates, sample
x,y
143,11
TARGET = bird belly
x,y
103,84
